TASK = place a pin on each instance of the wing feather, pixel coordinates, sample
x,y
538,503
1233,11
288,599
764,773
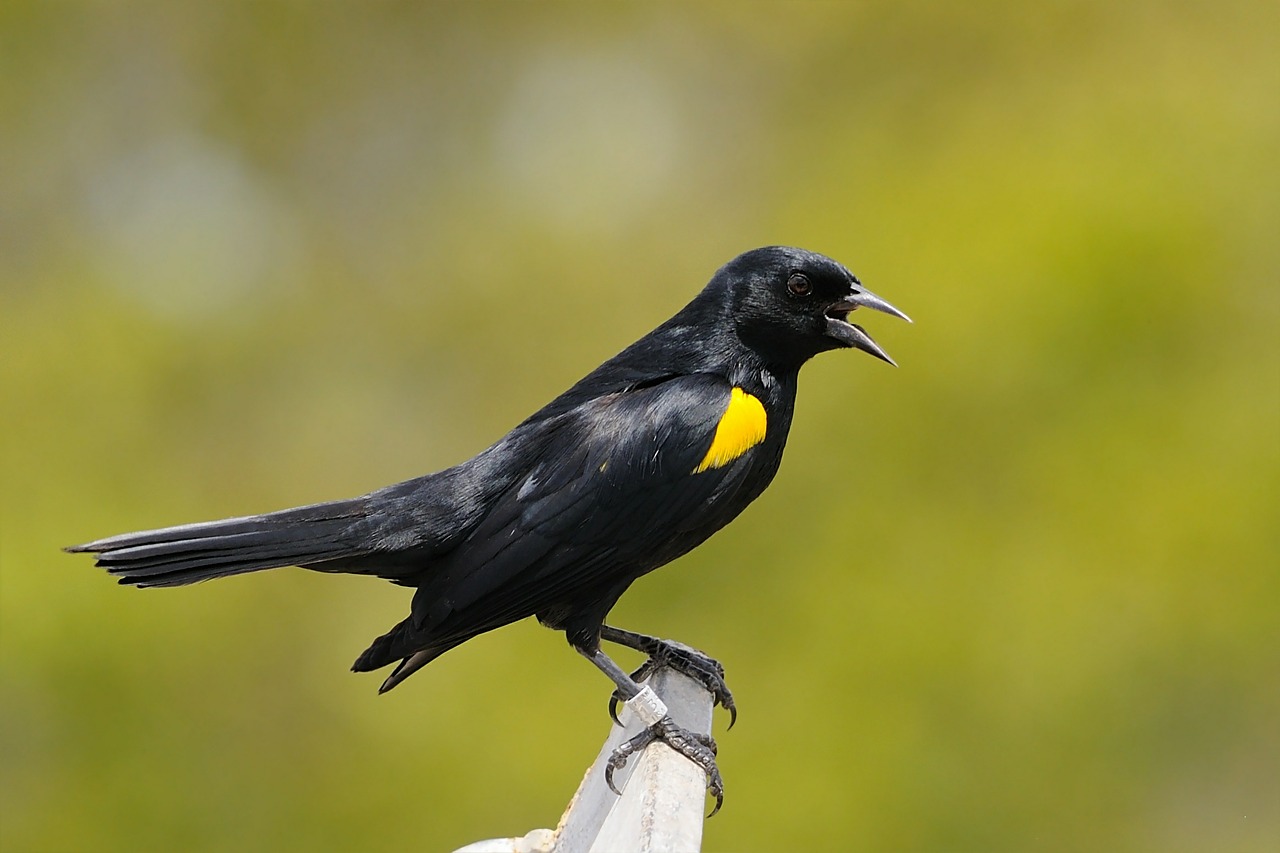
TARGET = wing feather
x,y
612,496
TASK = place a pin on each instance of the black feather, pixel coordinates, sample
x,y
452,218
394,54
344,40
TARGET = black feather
x,y
189,553
562,514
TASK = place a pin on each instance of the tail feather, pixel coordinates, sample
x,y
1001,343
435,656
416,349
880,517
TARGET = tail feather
x,y
189,553
404,643
409,666
395,645
210,545
386,649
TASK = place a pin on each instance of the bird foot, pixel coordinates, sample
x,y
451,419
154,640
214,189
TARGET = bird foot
x,y
700,749
687,660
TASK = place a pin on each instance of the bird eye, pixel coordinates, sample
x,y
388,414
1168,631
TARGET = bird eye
x,y
799,284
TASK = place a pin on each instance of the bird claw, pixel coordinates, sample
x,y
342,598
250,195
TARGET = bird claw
x,y
698,748
614,701
699,666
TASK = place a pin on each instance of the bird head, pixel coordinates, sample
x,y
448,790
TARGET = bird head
x,y
791,304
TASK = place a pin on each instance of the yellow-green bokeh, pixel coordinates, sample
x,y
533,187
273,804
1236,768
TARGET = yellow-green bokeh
x,y
1022,593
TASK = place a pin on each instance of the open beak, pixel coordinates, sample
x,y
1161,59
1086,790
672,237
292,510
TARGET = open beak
x,y
849,334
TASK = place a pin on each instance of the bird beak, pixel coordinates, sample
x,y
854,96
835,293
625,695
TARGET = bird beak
x,y
839,327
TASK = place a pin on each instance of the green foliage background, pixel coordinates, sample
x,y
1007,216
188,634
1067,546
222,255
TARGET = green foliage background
x,y
1021,594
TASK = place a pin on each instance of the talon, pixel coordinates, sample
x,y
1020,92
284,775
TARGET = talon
x,y
716,788
614,701
683,659
608,777
623,753
699,748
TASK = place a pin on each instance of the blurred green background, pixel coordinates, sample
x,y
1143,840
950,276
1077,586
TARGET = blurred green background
x,y
1021,594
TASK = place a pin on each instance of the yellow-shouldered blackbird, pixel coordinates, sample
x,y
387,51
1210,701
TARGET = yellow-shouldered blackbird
x,y
642,460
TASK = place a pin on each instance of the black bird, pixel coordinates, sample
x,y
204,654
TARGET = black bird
x,y
636,464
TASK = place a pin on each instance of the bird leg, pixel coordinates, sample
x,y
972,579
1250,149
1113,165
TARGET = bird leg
x,y
687,660
698,748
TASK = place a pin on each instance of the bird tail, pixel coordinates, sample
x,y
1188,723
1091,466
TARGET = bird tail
x,y
398,644
176,556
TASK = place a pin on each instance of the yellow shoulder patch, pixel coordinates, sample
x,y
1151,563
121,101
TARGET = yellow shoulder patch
x,y
741,427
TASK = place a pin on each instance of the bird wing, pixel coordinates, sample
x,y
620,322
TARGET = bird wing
x,y
622,484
